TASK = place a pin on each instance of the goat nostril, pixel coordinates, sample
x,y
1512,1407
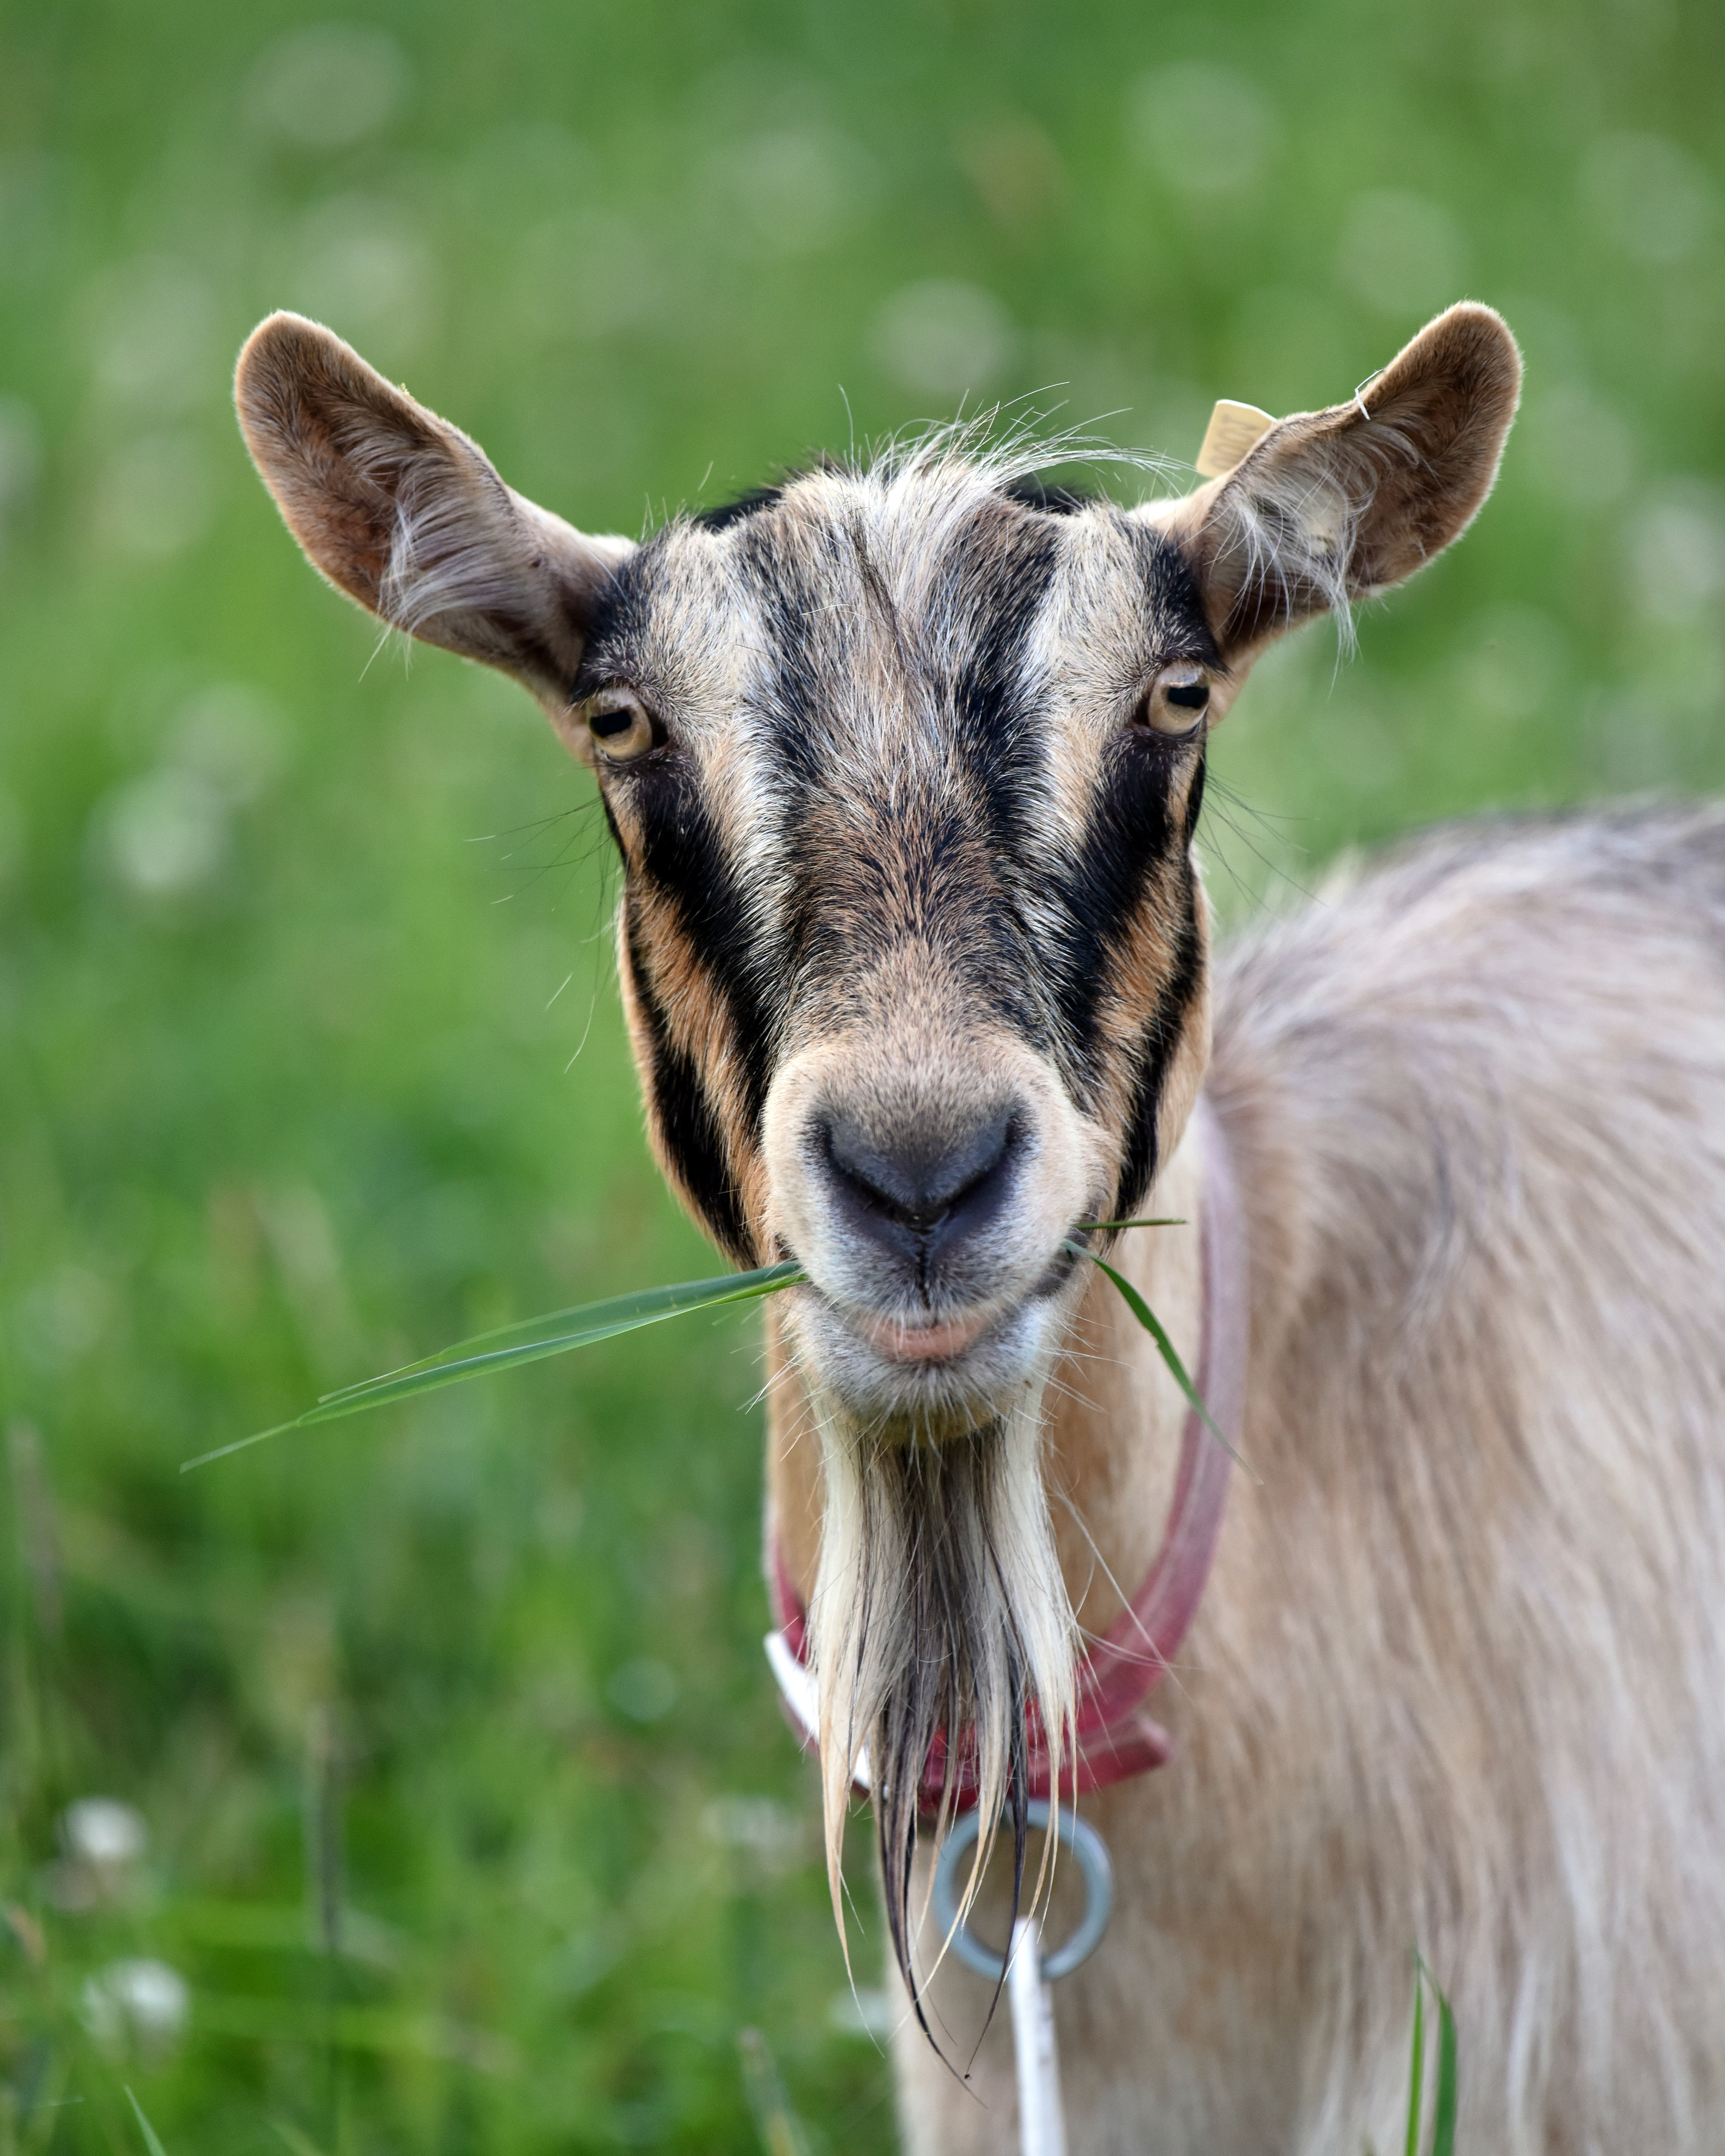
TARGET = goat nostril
x,y
918,1181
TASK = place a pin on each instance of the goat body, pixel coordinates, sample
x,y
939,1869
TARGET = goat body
x,y
905,763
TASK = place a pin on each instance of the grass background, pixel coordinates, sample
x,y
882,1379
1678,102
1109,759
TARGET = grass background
x,y
309,1052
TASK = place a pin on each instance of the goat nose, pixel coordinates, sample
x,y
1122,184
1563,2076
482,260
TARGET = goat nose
x,y
920,1191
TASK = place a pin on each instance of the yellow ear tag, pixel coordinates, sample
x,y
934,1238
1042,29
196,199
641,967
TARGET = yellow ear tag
x,y
1232,431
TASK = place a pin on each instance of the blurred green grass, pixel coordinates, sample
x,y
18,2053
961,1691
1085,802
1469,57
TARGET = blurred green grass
x,y
310,1056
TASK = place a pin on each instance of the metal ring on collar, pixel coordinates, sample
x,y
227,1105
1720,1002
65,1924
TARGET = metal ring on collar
x,y
1091,1853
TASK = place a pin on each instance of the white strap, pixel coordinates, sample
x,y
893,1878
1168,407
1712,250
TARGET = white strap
x,y
801,1695
1042,2126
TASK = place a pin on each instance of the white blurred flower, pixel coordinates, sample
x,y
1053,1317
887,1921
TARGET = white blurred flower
x,y
942,338
136,2002
103,1842
1676,546
61,1317
156,497
154,335
103,1832
1207,130
232,737
1650,197
164,832
792,189
772,1836
362,265
328,84
1581,451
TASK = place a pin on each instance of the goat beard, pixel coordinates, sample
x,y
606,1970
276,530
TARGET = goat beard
x,y
939,1610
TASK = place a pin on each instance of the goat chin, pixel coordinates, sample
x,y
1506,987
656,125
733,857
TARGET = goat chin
x,y
939,1610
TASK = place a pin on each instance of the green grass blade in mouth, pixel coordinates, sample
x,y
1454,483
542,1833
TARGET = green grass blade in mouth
x,y
1442,2132
1110,1227
1416,2064
1164,1346
597,1321
1443,2122
533,1340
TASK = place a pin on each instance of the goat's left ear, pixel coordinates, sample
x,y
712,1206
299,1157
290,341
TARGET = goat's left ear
x,y
1330,506
403,513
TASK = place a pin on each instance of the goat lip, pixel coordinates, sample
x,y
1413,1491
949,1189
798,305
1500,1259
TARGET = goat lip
x,y
944,1342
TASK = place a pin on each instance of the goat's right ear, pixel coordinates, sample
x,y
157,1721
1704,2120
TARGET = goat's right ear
x,y
401,511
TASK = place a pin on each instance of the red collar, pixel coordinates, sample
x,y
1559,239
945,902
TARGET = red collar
x,y
1116,1738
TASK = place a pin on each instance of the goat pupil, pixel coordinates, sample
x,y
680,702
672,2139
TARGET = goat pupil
x,y
1191,695
605,724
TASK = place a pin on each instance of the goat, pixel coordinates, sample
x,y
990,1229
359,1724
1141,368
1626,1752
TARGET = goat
x,y
905,762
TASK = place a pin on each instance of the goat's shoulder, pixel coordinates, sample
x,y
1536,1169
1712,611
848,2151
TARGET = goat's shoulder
x,y
1510,1032
1481,907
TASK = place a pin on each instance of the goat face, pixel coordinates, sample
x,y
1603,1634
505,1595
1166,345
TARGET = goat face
x,y
911,939
904,765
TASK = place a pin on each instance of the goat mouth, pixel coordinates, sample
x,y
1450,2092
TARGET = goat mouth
x,y
944,1341
935,1374
935,1348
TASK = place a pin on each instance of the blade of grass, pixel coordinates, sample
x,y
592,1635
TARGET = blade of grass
x,y
780,2129
582,1327
150,2140
1443,2130
1443,2133
300,2144
1164,1346
1416,2064
618,1313
1108,1227
557,1332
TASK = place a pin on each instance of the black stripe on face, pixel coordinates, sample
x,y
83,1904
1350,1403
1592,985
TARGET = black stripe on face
x,y
997,736
727,513
617,618
674,847
1131,840
682,857
1194,798
1155,1049
796,581
1128,839
688,1129
1033,491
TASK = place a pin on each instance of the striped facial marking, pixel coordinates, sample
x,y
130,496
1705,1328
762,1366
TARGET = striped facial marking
x,y
911,939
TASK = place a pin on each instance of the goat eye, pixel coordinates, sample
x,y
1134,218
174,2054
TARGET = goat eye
x,y
621,725
1178,698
